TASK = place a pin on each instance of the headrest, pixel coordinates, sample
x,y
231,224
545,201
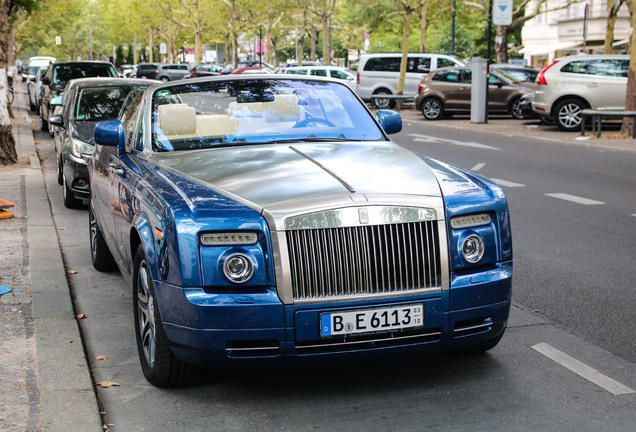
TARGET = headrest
x,y
177,119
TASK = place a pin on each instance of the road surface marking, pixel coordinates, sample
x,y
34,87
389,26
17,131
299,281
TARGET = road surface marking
x,y
583,370
478,167
436,140
574,199
507,183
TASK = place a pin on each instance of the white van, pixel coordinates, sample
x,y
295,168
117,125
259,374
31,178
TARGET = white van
x,y
379,73
337,72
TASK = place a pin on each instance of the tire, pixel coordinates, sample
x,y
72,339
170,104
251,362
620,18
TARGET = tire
x,y
60,174
69,197
44,125
101,257
164,79
515,109
567,114
546,120
158,363
383,103
432,109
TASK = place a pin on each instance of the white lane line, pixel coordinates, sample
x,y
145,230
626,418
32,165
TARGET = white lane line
x,y
506,183
478,167
437,140
574,199
583,370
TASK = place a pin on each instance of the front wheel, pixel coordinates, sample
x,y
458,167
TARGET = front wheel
x,y
44,125
101,257
158,363
568,115
432,109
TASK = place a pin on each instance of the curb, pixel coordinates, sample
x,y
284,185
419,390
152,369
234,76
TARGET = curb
x,y
67,394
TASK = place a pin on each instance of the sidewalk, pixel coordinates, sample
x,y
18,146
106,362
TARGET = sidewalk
x,y
46,383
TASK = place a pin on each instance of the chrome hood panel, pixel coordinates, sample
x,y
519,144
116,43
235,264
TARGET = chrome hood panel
x,y
281,180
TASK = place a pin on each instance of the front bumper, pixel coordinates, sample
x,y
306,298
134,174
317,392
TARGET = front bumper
x,y
212,329
76,173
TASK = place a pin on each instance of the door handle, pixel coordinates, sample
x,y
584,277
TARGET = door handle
x,y
116,169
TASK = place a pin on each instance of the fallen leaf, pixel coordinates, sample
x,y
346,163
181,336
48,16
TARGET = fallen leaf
x,y
107,384
68,342
101,357
80,316
71,272
62,228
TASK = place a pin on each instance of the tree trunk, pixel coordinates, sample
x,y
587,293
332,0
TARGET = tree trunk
x,y
274,51
313,32
612,12
405,51
300,48
150,42
198,47
326,55
501,44
630,98
135,53
423,26
8,154
234,50
226,49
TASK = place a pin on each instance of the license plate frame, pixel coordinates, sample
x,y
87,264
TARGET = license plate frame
x,y
357,322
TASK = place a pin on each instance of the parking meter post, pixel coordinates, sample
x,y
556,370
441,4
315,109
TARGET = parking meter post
x,y
479,90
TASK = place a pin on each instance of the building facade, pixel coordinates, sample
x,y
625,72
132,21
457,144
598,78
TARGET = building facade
x,y
556,33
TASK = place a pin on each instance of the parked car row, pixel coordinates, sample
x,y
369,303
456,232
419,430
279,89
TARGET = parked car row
x,y
270,219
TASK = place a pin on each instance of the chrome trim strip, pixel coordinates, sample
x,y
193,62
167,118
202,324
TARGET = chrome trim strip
x,y
367,341
272,348
472,327
325,169
368,296
349,217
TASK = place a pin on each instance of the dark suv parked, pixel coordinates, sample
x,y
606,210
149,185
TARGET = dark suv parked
x,y
59,74
147,70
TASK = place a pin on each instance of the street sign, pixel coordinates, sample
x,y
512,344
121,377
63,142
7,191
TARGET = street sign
x,y
502,12
163,48
58,40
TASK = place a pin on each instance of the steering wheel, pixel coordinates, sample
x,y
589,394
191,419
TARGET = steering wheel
x,y
309,120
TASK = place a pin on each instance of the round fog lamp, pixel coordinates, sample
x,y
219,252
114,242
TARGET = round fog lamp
x,y
238,268
473,249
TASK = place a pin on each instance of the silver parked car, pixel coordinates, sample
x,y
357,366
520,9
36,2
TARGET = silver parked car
x,y
571,84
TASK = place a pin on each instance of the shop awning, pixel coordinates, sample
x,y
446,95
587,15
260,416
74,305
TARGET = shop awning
x,y
550,48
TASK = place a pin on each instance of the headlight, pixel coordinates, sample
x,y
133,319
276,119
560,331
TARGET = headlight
x,y
228,238
473,249
238,268
79,148
470,220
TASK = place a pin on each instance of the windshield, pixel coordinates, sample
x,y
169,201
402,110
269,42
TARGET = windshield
x,y
102,103
210,114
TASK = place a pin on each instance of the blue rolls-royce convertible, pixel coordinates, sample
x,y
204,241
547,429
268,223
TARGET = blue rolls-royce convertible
x,y
271,219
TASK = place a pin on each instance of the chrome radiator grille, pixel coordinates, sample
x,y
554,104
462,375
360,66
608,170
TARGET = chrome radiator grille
x,y
364,260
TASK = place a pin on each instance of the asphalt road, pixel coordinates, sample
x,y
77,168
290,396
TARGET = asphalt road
x,y
573,309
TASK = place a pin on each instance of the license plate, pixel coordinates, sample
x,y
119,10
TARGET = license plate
x,y
372,320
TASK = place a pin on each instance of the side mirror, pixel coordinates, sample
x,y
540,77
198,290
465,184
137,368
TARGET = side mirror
x,y
56,120
390,121
46,81
111,134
